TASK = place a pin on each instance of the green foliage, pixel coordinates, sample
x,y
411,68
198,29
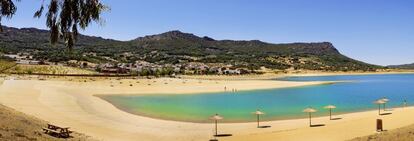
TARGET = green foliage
x,y
7,9
65,16
176,47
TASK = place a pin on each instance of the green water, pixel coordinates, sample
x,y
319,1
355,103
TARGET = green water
x,y
286,103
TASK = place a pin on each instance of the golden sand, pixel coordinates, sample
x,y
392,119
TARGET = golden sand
x,y
72,103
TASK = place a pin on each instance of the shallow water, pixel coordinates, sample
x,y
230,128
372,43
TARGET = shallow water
x,y
286,103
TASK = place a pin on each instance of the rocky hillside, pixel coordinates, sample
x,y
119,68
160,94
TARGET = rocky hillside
x,y
177,47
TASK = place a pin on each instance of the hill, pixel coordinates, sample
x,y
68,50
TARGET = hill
x,y
176,47
404,66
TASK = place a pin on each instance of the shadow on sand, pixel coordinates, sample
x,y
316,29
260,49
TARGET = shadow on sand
x,y
384,114
336,118
265,126
223,135
317,125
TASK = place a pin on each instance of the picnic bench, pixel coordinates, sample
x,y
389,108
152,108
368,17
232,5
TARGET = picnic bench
x,y
61,132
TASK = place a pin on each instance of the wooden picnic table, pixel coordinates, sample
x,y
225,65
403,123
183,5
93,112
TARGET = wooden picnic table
x,y
61,132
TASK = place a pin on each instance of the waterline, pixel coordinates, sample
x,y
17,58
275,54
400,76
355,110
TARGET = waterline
x,y
279,104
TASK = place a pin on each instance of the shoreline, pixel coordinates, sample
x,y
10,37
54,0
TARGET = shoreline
x,y
270,76
313,83
73,104
216,91
264,76
263,120
349,74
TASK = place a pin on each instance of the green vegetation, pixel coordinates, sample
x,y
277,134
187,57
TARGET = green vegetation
x,y
7,9
176,47
63,17
405,66
6,64
45,69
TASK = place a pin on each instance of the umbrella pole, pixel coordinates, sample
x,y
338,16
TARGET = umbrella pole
x,y
258,125
216,126
330,114
379,109
310,120
384,107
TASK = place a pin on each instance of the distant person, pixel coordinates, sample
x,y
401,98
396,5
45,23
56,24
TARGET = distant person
x,y
405,103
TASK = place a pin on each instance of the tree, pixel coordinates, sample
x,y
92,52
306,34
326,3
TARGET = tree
x,y
64,17
7,9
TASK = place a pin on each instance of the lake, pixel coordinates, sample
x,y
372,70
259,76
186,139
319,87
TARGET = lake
x,y
287,103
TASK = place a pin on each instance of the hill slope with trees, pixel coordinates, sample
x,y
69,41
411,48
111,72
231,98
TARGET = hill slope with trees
x,y
177,47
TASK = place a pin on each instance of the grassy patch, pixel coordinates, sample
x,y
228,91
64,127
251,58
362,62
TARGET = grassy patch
x,y
47,69
5,64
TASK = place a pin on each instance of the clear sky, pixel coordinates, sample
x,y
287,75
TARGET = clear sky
x,y
375,31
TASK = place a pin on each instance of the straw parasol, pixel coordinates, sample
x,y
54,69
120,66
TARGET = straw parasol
x,y
216,117
330,107
310,110
385,102
258,113
379,102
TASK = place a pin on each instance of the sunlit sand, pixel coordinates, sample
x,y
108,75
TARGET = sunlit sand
x,y
71,103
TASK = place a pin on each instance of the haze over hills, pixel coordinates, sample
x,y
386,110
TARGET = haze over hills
x,y
176,47
403,66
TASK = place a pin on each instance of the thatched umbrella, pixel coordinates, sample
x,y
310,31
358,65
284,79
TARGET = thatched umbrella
x,y
258,113
310,110
216,117
385,102
330,107
379,102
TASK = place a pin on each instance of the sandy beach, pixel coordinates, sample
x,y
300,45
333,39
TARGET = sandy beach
x,y
74,104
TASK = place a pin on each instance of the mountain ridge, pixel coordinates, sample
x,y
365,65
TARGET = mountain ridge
x,y
174,47
402,66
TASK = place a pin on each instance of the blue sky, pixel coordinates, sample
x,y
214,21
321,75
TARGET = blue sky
x,y
375,31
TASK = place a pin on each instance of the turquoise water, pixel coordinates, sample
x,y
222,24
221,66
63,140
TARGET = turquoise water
x,y
286,103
